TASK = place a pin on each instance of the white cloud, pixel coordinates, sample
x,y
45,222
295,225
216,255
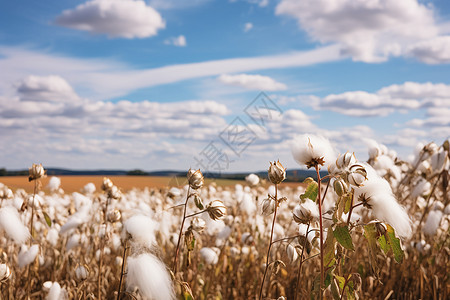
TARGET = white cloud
x,y
433,51
46,88
179,41
372,31
176,4
252,82
400,98
248,26
103,79
116,18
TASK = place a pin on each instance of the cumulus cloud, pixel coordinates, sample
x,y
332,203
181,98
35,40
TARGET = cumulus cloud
x,y
394,98
115,18
179,41
372,31
252,82
45,89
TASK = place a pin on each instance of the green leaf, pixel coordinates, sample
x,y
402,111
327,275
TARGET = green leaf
x,y
394,242
328,256
188,296
342,235
341,281
47,219
371,234
348,202
311,190
384,245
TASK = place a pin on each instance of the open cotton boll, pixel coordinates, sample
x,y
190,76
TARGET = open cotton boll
x,y
54,183
252,179
55,292
10,222
75,220
52,236
247,205
150,275
27,256
378,194
73,241
383,164
209,255
309,150
433,221
142,229
423,187
89,188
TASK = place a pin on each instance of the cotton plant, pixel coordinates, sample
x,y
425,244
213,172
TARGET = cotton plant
x,y
350,184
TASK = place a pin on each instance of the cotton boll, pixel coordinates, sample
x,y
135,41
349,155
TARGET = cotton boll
x,y
383,164
10,222
423,187
373,148
447,210
150,275
54,292
54,184
291,253
438,161
142,229
433,221
252,179
224,233
378,194
247,205
209,255
309,149
74,221
89,188
27,256
73,241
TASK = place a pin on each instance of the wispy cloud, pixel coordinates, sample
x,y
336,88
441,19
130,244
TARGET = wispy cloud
x,y
179,41
103,79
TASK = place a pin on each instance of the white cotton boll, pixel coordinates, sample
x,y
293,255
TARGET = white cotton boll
x,y
438,205
438,161
247,238
46,286
27,256
142,229
10,222
89,188
224,233
373,148
73,241
252,179
447,209
307,149
271,190
248,205
54,183
209,255
424,166
291,253
234,252
150,275
116,242
385,207
75,220
81,201
174,192
422,188
54,292
238,187
383,164
106,251
433,221
35,201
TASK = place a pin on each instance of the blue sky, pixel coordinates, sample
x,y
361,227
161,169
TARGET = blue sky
x,y
123,84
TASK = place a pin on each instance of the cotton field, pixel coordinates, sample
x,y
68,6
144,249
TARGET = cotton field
x,y
375,229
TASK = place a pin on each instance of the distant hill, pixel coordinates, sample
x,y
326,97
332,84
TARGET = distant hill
x,y
292,175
